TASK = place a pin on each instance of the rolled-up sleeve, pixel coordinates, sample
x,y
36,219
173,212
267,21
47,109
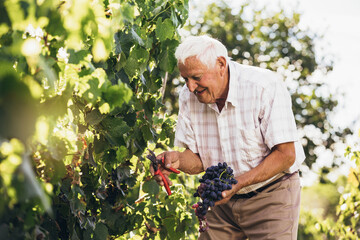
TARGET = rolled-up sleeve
x,y
184,135
277,118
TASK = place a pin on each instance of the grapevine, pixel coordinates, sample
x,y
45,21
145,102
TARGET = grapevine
x,y
80,101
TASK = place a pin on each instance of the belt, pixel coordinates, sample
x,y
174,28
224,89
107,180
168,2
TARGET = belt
x,y
259,190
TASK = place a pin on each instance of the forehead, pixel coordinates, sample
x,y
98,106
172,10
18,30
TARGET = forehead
x,y
192,65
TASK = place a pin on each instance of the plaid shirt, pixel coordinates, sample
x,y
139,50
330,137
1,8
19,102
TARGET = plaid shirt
x,y
257,116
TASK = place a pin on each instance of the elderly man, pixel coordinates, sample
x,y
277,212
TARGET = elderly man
x,y
240,115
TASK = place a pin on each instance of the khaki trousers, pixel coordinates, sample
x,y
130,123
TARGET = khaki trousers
x,y
271,214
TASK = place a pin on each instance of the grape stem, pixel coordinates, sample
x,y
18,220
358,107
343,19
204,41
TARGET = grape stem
x,y
222,174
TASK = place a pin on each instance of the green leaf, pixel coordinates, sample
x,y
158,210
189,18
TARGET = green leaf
x,y
174,18
77,56
127,11
4,18
136,37
116,95
100,232
149,107
94,117
93,92
151,187
109,156
16,12
123,43
101,94
122,153
100,144
104,108
164,29
146,132
116,127
55,169
57,147
130,119
55,26
171,224
167,56
137,62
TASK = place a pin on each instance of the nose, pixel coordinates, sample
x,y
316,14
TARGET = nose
x,y
191,84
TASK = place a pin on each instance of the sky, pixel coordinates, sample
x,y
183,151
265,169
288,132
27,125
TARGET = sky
x,y
339,23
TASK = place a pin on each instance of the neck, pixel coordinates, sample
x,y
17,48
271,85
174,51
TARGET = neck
x,y
220,102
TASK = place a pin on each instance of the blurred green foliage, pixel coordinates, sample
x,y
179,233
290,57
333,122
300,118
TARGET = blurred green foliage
x,y
347,222
79,105
331,211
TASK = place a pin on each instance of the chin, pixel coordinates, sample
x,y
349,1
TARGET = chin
x,y
206,101
201,100
204,98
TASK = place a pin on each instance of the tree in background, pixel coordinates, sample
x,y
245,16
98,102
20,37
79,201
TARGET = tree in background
x,y
275,41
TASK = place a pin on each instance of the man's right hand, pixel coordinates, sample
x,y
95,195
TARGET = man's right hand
x,y
171,159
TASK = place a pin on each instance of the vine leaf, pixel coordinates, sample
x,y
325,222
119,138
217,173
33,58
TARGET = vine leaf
x,y
100,232
167,56
116,95
137,62
94,117
151,187
164,29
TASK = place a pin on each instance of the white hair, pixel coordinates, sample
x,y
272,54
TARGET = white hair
x,y
204,48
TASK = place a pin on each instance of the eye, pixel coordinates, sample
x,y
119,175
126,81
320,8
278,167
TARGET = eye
x,y
197,78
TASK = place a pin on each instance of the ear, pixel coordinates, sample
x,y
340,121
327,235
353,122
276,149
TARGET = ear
x,y
221,63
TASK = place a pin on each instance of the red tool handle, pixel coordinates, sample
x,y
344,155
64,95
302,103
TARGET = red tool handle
x,y
158,172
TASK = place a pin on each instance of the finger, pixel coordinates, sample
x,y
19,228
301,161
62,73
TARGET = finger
x,y
168,180
226,197
167,160
160,156
159,180
227,193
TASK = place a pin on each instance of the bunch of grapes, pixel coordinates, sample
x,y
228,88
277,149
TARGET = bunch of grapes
x,y
216,179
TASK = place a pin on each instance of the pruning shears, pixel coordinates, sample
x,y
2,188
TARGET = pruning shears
x,y
155,164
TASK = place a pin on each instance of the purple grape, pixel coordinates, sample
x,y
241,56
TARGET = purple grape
x,y
216,179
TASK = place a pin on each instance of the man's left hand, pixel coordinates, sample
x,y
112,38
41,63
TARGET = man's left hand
x,y
227,194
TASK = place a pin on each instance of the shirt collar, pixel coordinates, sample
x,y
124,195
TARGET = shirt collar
x,y
233,84
231,98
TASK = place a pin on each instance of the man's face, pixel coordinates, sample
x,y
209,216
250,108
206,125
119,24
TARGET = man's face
x,y
209,85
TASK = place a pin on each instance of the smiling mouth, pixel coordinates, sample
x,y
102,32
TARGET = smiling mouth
x,y
199,92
